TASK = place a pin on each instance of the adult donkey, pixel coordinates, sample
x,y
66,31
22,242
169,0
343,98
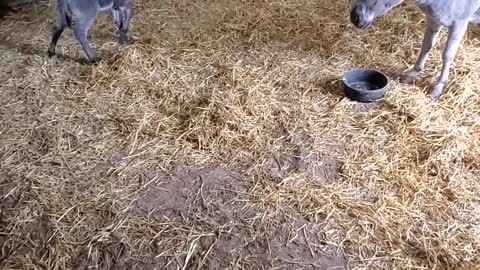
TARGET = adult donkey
x,y
453,14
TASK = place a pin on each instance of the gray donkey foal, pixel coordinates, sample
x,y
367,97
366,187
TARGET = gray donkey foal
x,y
453,14
85,12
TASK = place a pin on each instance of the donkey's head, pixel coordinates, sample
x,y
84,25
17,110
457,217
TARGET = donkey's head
x,y
364,12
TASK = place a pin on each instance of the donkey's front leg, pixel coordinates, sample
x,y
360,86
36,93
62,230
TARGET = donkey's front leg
x,y
429,41
455,35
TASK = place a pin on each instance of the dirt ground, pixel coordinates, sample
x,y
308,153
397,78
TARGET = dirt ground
x,y
221,139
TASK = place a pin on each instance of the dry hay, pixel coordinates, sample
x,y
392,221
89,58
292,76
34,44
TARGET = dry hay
x,y
252,87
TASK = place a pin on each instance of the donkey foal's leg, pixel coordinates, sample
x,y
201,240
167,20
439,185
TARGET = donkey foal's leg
x,y
57,31
429,41
123,15
127,17
81,32
118,17
455,35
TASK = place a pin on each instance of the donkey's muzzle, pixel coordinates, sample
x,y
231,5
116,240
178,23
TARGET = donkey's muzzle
x,y
359,19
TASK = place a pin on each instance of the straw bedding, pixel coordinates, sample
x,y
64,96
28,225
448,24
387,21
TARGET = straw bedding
x,y
221,139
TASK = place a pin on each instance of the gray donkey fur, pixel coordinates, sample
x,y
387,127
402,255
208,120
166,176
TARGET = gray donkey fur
x,y
455,15
84,13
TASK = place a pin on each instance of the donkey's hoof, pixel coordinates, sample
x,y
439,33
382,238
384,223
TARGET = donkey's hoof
x,y
50,53
410,76
434,97
436,93
94,61
408,79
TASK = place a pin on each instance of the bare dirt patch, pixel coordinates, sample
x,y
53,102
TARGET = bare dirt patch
x,y
241,233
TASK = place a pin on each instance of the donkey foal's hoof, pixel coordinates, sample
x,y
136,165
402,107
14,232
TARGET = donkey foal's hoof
x,y
94,61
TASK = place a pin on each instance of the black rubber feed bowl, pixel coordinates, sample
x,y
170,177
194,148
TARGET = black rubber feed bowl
x,y
365,85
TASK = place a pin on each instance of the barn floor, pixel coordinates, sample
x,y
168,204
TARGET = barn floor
x,y
221,139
